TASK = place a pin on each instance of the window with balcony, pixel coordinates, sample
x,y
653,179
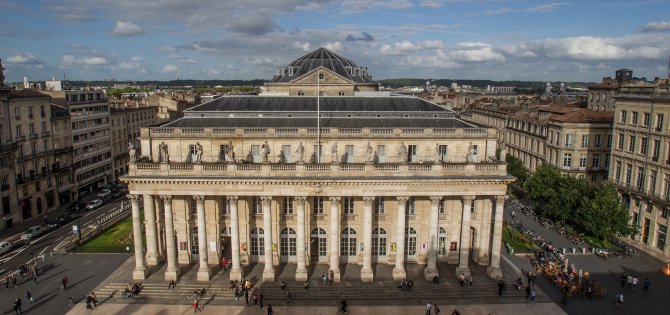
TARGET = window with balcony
x,y
18,131
656,150
643,145
567,160
378,205
17,113
256,205
652,181
631,144
607,160
629,173
411,206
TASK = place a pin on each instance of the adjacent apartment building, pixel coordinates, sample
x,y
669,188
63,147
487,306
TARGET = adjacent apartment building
x,y
125,129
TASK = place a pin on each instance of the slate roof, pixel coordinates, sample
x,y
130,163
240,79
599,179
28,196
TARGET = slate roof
x,y
308,103
295,122
322,57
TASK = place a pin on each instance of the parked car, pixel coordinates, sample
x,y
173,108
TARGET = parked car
x,y
5,247
73,207
105,193
63,219
32,233
93,204
119,193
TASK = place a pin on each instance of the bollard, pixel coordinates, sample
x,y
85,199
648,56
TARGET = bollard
x,y
564,251
583,250
574,250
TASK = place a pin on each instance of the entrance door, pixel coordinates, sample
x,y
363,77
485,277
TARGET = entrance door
x,y
194,243
379,245
287,245
442,244
257,246
318,245
410,244
348,250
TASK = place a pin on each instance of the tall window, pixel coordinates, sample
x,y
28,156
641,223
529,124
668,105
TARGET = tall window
x,y
379,205
659,122
411,151
621,141
410,241
623,116
285,155
255,153
443,152
607,160
287,205
349,153
609,141
631,143
652,181
629,173
411,206
256,205
348,203
634,118
381,153
317,205
582,162
596,160
585,141
661,235
597,142
379,242
568,140
656,150
643,145
618,171
287,244
257,242
646,119
348,242
567,160
640,177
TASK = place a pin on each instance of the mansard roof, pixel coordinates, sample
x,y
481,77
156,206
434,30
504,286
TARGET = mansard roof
x,y
322,57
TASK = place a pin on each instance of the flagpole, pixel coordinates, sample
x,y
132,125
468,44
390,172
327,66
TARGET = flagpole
x,y
318,116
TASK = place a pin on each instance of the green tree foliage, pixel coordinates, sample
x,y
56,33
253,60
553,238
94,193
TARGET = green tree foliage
x,y
515,168
602,214
566,197
541,187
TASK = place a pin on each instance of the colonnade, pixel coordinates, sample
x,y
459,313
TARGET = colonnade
x,y
153,256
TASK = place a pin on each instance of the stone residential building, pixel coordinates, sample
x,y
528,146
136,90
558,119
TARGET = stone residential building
x,y
9,211
640,165
125,129
363,181
63,166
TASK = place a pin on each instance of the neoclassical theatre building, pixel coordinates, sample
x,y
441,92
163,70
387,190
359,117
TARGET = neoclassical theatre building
x,y
321,169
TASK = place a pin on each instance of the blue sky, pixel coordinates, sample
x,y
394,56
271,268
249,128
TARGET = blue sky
x,y
247,39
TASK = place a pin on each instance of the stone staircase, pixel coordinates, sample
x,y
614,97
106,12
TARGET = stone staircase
x,y
359,293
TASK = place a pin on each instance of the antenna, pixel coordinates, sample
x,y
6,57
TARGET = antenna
x,y
668,66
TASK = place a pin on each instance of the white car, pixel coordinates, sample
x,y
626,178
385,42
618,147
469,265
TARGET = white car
x,y
105,193
5,247
93,204
31,233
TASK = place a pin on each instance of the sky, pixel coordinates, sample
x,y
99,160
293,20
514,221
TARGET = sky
x,y
583,40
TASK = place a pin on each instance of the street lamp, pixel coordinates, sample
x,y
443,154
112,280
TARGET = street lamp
x,y
78,224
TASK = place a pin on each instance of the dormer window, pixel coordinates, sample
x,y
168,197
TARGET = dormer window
x,y
341,93
300,93
290,71
320,76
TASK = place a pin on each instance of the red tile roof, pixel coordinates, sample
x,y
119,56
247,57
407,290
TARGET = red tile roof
x,y
26,93
585,116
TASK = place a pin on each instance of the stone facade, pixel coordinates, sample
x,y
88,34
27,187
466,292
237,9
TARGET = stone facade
x,y
640,165
125,129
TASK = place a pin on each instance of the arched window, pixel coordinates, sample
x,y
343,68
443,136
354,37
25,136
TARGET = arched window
x,y
410,241
379,242
348,242
287,245
257,244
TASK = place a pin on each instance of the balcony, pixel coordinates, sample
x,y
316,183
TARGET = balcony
x,y
320,170
7,147
34,136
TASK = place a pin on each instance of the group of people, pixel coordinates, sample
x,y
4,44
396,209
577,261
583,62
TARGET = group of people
x,y
132,290
91,301
631,282
328,278
466,281
570,281
406,285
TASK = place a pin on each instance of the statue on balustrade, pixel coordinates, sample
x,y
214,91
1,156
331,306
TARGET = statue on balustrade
x,y
266,152
472,153
369,154
438,155
230,155
198,153
282,157
301,153
333,151
164,153
132,153
402,153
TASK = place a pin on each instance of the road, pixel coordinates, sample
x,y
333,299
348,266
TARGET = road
x,y
607,272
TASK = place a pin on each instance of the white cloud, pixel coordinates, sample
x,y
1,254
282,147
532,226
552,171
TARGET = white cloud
x,y
364,5
135,58
25,59
592,48
129,66
334,46
304,46
656,26
475,52
432,44
211,72
74,60
431,4
170,68
400,48
181,59
127,29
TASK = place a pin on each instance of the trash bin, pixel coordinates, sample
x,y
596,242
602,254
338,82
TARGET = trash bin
x,y
510,250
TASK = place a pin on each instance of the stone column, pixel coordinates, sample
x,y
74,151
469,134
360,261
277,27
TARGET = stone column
x,y
236,270
203,270
140,271
399,269
150,229
484,233
335,237
172,271
465,237
268,270
301,270
431,269
494,270
367,274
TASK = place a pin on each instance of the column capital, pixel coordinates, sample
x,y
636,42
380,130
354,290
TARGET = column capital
x,y
367,201
335,201
300,199
435,200
468,199
200,199
500,198
402,199
266,200
232,198
166,198
133,198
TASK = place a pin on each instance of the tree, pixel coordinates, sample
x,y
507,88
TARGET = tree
x,y
541,186
516,169
566,199
602,214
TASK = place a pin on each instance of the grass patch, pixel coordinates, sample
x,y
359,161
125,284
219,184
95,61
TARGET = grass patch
x,y
595,242
113,240
517,240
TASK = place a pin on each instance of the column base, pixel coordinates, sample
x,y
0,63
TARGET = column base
x,y
203,274
236,274
494,273
269,275
301,275
153,260
140,274
430,273
172,274
399,274
367,275
462,270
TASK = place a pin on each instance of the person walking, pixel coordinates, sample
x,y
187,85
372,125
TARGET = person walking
x,y
270,312
237,293
17,306
331,277
470,278
246,296
646,284
35,278
429,306
527,292
260,300
29,296
533,294
14,281
64,283
513,214
70,302
196,308
324,278
501,287
635,283
619,300
437,309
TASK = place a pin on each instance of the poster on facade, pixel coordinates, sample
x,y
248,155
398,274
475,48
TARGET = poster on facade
x,y
424,247
212,246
